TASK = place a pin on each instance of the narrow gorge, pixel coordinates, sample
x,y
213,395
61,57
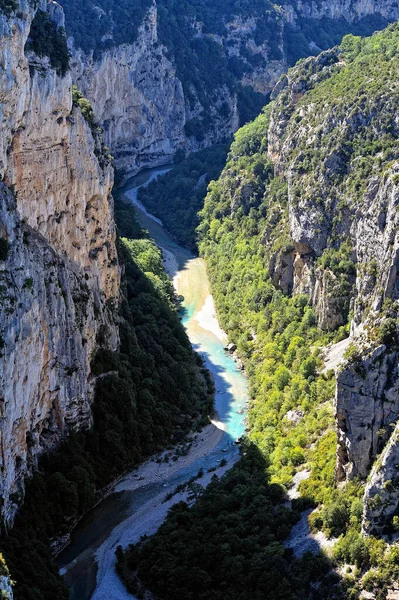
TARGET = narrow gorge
x,y
275,130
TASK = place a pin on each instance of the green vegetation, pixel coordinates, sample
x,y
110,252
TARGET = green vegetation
x,y
177,197
202,63
278,337
100,150
150,394
361,86
326,33
90,23
228,546
84,104
46,40
337,137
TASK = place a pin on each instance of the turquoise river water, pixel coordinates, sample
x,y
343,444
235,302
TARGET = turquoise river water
x,y
88,562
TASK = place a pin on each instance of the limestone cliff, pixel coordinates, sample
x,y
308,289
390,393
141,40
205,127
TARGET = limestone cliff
x,y
337,194
140,103
348,9
185,82
367,405
59,272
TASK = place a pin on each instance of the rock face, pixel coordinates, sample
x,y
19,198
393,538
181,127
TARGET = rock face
x,y
367,408
351,10
382,490
137,98
311,145
143,103
140,103
59,272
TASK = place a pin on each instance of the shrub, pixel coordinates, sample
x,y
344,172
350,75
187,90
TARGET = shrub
x,y
352,548
336,517
352,354
388,332
83,103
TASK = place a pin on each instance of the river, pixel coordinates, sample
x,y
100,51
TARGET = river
x,y
137,504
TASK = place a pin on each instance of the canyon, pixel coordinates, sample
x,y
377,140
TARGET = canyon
x,y
139,90
310,189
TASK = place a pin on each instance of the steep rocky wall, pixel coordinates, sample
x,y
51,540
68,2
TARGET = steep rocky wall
x,y
141,102
312,137
381,497
351,10
367,408
60,276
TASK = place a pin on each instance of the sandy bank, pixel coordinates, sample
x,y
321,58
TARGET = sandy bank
x,y
151,515
206,318
152,471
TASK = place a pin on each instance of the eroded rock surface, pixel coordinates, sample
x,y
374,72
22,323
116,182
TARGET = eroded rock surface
x,y
59,275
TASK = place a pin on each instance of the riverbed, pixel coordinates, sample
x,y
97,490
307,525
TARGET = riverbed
x,y
137,503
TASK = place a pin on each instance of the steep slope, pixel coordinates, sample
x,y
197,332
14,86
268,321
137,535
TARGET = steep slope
x,y
164,76
59,275
300,238
96,371
332,140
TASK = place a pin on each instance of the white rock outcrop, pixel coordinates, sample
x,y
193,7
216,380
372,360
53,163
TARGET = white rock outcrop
x,y
140,103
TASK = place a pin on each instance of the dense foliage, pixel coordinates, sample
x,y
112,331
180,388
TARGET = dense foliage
x,y
177,197
45,39
347,101
121,18
276,334
228,546
150,394
325,33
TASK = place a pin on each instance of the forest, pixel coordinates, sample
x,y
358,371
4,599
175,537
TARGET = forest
x,y
46,40
228,546
243,225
